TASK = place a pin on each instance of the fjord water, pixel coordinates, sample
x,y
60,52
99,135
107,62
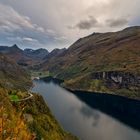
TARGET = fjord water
x,y
91,116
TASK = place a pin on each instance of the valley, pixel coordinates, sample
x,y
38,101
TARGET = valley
x,y
69,70
100,62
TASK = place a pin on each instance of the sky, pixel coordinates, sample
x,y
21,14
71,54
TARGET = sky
x,y
59,23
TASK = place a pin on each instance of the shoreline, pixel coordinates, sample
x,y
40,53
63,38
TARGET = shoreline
x,y
60,83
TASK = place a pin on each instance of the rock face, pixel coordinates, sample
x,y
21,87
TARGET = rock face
x,y
118,79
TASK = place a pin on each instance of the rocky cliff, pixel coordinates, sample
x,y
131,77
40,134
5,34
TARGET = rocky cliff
x,y
113,82
118,79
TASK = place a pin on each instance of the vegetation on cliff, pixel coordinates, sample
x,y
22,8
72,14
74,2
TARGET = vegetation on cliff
x,y
30,119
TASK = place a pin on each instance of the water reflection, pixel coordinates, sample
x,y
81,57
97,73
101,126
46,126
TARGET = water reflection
x,y
125,110
84,115
89,113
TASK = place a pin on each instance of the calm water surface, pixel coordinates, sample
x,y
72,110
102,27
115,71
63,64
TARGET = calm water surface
x,y
84,119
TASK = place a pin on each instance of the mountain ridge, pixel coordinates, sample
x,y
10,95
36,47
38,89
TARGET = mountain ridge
x,y
111,52
24,57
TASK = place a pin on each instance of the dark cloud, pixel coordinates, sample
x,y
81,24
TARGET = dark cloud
x,y
87,23
117,22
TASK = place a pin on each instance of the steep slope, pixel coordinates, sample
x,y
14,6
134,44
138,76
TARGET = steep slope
x,y
30,119
88,62
14,52
12,75
24,119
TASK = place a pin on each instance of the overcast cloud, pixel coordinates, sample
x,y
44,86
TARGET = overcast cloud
x,y
58,23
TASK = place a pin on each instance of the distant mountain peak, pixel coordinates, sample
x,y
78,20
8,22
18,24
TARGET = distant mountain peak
x,y
36,54
15,46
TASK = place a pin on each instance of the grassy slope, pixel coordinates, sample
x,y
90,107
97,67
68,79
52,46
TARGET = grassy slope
x,y
100,52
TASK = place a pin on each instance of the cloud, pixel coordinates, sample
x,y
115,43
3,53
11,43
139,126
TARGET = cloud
x,y
48,21
117,22
40,29
23,39
60,38
87,24
51,32
20,29
29,39
10,20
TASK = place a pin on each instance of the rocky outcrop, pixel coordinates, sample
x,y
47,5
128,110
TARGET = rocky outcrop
x,y
118,79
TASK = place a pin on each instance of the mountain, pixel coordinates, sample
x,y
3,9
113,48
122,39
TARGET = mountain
x,y
36,54
13,76
32,57
55,52
13,52
25,57
102,62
